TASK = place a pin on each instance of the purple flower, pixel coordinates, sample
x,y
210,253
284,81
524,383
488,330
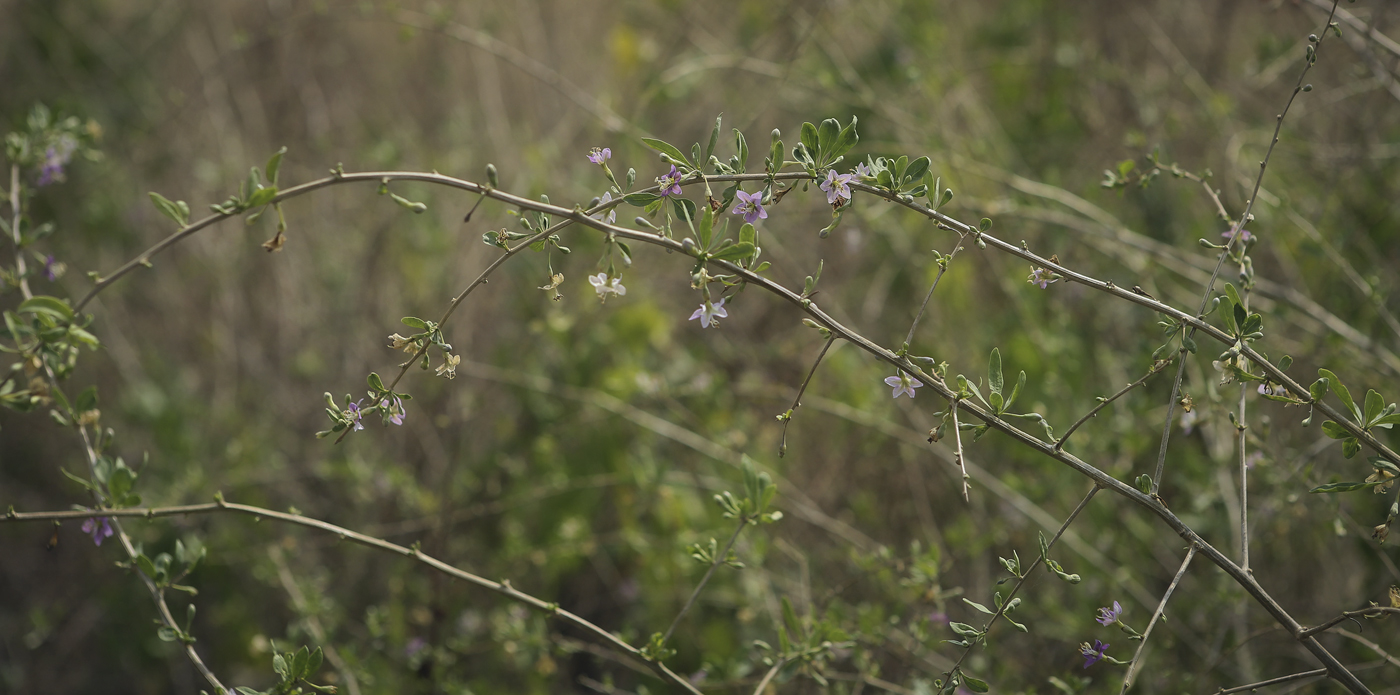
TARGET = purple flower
x,y
51,268
837,186
938,617
750,206
52,169
1108,616
863,169
710,314
611,215
1043,277
395,409
99,527
1245,236
353,412
598,156
903,384
670,183
1092,654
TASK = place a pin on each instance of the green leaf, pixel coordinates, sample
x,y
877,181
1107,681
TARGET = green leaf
x,y
1334,430
790,617
178,211
747,234
44,304
707,226
375,382
274,163
87,400
979,606
414,322
1381,464
975,685
81,481
313,664
1350,447
1374,405
917,169
734,252
640,199
1318,389
667,149
984,225
147,567
1233,294
827,134
809,138
299,663
846,140
742,146
685,209
1341,390
1016,390
1343,487
994,377
714,140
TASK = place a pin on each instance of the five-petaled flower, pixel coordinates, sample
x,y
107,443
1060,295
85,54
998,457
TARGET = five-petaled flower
x,y
604,286
53,269
99,527
398,342
55,157
670,182
837,187
393,405
1108,616
1092,654
863,169
1043,277
750,206
611,215
598,156
354,414
710,314
449,365
903,384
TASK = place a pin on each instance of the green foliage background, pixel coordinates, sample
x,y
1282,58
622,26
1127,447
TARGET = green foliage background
x,y
537,464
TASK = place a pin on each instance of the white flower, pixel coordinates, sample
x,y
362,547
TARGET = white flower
x,y
611,215
449,366
903,384
604,285
710,314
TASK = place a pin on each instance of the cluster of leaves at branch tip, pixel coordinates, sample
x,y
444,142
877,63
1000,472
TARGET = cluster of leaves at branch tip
x,y
806,645
1373,414
752,508
46,334
997,401
294,671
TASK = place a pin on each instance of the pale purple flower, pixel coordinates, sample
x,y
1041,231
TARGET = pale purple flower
x,y
1245,236
353,412
598,156
837,186
51,171
750,206
394,407
51,268
1108,616
1188,421
670,182
1043,277
903,384
99,527
710,314
1092,654
938,617
863,169
604,285
611,215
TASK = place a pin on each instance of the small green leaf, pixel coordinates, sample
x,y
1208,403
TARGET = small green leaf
x,y
827,133
1334,430
414,322
640,199
44,304
1341,390
994,377
809,138
1374,405
917,169
667,149
263,196
734,252
846,140
177,211
979,606
984,225
375,382
274,163
685,209
975,685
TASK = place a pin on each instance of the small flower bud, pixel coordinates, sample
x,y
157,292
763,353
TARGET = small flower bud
x,y
492,177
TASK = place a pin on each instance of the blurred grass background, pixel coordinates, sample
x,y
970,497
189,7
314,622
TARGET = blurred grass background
x,y
534,464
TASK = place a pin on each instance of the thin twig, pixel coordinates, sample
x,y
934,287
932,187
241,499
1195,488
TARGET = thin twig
x,y
718,559
768,677
942,268
797,402
15,207
1371,612
504,587
1235,236
957,437
1103,403
1369,645
1025,576
1273,681
1136,664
